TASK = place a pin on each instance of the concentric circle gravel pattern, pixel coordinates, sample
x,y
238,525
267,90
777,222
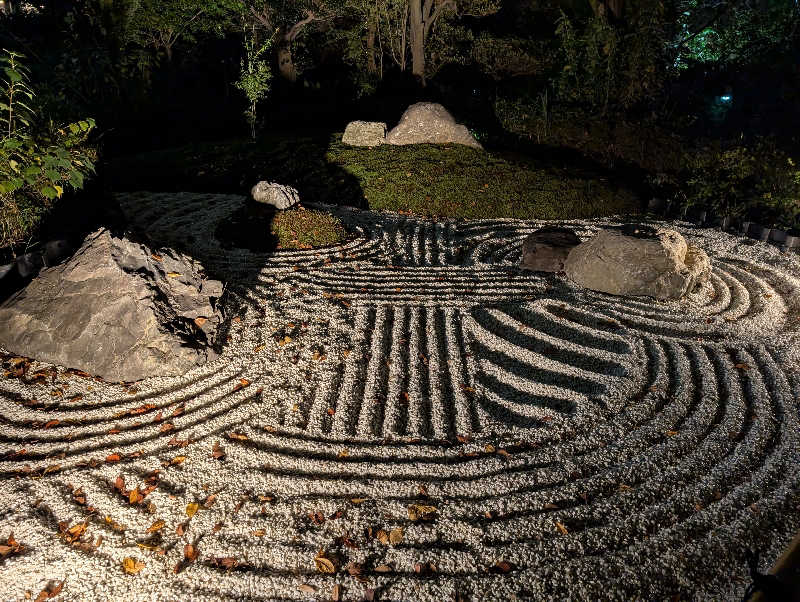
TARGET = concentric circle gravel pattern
x,y
574,444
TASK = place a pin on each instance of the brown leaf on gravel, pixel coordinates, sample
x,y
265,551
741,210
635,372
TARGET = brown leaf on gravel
x,y
131,566
742,367
336,594
50,591
562,528
463,439
11,547
190,552
167,427
113,458
179,410
325,563
135,496
418,512
306,588
156,526
79,496
383,537
383,568
228,562
356,570
259,533
243,382
181,528
177,460
425,568
395,536
191,509
216,528
51,423
217,452
316,517
502,567
238,436
210,500
175,442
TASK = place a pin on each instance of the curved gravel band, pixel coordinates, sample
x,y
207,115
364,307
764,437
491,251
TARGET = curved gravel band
x,y
574,444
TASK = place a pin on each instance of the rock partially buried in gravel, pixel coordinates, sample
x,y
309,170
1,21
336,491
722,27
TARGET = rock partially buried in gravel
x,y
364,133
656,263
546,249
117,310
430,122
277,195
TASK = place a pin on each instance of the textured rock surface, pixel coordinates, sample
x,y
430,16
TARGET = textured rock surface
x,y
429,122
277,195
660,265
546,249
117,310
364,133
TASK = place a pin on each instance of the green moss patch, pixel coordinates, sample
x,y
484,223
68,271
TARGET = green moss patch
x,y
431,180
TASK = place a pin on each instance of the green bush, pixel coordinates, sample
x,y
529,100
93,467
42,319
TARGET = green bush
x,y
37,162
760,181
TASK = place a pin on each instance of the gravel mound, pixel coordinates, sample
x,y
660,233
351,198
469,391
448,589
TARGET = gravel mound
x,y
573,444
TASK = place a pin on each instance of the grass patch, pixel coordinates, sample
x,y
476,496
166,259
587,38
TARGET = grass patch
x,y
305,229
431,180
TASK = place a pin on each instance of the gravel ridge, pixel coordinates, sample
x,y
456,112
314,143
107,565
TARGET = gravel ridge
x,y
575,445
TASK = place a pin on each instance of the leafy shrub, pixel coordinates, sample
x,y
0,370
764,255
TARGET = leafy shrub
x,y
758,180
607,66
36,164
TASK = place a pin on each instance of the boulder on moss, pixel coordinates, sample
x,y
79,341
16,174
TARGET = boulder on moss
x,y
430,122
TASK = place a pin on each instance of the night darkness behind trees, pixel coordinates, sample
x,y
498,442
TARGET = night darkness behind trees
x,y
157,73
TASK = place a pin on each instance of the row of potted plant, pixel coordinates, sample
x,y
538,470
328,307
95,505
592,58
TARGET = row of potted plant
x,y
785,237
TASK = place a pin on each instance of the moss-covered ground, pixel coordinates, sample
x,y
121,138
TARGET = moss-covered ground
x,y
432,180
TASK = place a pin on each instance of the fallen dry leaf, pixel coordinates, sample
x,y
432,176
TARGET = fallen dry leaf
x,y
238,436
336,594
325,564
420,512
113,458
156,526
217,452
562,528
742,367
50,591
131,566
191,509
395,536
383,568
307,588
502,567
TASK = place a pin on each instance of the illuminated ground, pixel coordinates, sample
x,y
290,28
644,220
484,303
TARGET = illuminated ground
x,y
573,444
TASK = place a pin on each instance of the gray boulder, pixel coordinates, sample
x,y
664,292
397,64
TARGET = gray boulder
x,y
429,122
279,196
117,310
658,264
546,249
364,133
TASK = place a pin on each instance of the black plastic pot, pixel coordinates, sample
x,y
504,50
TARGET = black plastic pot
x,y
777,235
759,232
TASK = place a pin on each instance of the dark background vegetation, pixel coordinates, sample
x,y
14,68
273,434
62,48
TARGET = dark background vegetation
x,y
603,103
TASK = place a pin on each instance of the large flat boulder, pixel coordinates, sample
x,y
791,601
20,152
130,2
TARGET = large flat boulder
x,y
364,133
546,249
655,263
118,310
430,122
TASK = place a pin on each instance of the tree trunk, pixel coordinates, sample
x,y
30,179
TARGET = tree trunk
x,y
372,28
286,67
417,42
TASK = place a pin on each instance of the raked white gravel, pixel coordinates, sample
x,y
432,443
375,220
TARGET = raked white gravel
x,y
595,447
